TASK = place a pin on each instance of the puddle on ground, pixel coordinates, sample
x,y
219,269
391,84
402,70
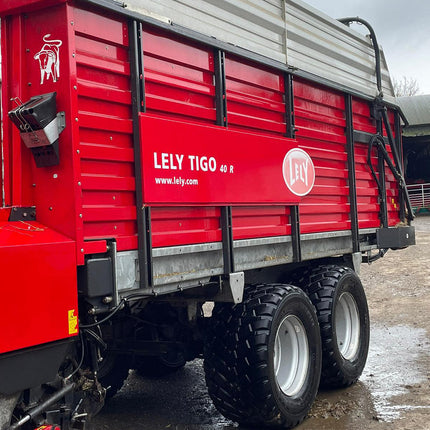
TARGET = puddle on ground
x,y
392,367
382,394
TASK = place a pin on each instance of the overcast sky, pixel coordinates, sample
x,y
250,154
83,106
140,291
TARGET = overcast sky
x,y
402,28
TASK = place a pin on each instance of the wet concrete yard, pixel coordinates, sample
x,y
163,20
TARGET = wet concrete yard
x,y
393,392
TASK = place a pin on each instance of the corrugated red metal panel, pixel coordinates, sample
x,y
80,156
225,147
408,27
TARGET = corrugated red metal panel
x,y
185,225
391,184
251,222
393,202
367,191
105,129
18,162
255,96
54,189
255,101
362,119
320,120
179,77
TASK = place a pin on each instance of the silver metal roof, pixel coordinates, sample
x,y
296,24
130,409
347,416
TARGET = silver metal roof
x,y
416,109
288,31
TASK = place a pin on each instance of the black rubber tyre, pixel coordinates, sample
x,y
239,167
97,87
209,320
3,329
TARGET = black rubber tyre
x,y
157,367
113,371
258,372
7,405
343,315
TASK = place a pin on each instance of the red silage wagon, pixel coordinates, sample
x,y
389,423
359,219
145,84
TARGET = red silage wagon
x,y
159,157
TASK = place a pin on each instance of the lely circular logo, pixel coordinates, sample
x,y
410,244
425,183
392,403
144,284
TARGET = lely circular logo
x,y
299,172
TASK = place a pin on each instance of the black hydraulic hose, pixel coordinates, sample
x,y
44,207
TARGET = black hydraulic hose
x,y
123,302
373,258
398,164
397,169
112,313
359,20
378,140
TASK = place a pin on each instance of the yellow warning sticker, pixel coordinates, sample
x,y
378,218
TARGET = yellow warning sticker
x,y
73,322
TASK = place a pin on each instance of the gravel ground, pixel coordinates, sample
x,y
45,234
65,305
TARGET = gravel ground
x,y
393,392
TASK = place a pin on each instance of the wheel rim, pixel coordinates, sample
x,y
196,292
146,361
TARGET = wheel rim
x,y
347,326
291,355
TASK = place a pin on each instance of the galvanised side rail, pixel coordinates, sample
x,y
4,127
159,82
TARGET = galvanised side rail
x,y
419,195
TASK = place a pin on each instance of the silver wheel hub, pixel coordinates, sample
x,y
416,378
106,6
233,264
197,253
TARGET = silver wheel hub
x,y
347,322
291,355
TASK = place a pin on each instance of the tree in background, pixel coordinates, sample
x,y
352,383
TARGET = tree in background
x,y
405,87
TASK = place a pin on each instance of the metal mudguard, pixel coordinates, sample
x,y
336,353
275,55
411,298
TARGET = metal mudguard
x,y
38,286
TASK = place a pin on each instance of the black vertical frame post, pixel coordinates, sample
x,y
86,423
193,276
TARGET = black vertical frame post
x,y
351,173
291,133
145,251
398,143
295,233
138,106
227,239
226,220
289,104
220,89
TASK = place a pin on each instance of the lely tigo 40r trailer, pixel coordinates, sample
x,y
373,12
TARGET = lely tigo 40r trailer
x,y
163,154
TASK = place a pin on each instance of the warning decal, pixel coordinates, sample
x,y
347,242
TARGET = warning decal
x,y
73,322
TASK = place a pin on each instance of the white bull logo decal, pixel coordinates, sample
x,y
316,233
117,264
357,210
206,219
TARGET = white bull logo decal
x,y
49,59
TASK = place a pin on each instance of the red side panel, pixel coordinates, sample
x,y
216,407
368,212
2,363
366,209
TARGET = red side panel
x,y
321,125
90,195
251,222
362,118
255,97
392,186
38,286
53,190
17,159
179,77
367,191
105,129
185,225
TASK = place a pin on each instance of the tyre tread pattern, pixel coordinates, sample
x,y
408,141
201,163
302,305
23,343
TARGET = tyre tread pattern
x,y
319,283
237,374
113,378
